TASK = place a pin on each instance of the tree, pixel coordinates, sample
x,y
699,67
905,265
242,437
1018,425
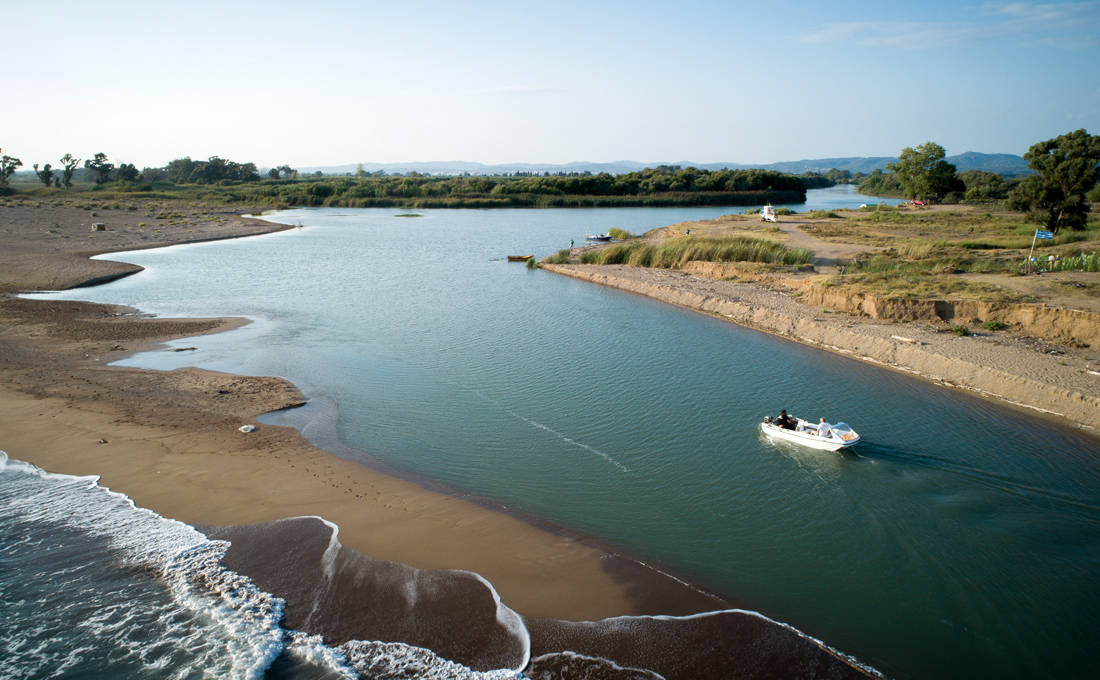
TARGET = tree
x,y
100,167
45,174
923,174
1065,171
8,164
69,165
982,185
128,172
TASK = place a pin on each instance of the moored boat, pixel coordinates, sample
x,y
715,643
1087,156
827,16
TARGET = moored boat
x,y
519,258
837,436
597,237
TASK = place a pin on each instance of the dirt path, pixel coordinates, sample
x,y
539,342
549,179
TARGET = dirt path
x,y
826,253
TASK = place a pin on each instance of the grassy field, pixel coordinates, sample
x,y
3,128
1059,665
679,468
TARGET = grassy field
x,y
918,253
974,252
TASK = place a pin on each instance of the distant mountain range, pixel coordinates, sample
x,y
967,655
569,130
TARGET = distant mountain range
x,y
1001,163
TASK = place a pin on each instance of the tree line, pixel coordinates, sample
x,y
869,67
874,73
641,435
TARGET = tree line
x,y
1058,194
689,185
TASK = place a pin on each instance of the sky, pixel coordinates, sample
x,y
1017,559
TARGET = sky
x,y
337,82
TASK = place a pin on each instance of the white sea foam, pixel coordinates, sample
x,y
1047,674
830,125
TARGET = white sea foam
x,y
510,620
625,621
240,634
595,664
398,661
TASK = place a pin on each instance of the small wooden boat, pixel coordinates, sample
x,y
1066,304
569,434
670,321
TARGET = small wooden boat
x,y
519,258
836,437
597,237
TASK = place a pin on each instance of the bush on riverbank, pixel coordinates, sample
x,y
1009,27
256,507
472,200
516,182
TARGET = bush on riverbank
x,y
676,251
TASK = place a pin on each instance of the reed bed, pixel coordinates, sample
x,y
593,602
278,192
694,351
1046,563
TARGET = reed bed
x,y
674,252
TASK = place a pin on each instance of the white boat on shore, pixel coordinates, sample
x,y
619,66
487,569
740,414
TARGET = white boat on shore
x,y
839,436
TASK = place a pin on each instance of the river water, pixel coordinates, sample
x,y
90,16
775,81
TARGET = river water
x,y
959,539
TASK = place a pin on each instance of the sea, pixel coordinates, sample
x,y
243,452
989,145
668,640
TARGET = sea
x,y
961,538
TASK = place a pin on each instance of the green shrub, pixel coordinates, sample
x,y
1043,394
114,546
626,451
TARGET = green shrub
x,y
993,325
620,234
1087,263
560,257
676,251
784,211
820,214
960,331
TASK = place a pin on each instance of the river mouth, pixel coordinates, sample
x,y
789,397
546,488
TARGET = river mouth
x,y
636,423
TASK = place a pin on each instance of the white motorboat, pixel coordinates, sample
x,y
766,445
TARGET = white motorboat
x,y
767,213
837,436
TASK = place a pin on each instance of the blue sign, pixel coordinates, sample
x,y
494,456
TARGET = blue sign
x,y
1039,233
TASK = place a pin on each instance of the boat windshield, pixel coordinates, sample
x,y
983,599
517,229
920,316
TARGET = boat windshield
x,y
841,428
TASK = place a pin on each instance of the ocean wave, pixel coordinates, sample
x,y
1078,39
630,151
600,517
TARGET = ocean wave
x,y
213,618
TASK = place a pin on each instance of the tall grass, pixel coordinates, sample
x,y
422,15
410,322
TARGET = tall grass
x,y
1087,263
560,257
620,234
676,251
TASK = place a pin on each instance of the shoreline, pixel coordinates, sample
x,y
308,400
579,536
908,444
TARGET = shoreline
x,y
170,443
1023,378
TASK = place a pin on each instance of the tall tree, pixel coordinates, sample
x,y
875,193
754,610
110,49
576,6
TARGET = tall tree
x,y
128,172
922,172
1065,170
8,164
68,163
100,167
45,174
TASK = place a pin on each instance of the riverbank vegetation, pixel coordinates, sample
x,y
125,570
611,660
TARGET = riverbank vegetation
x,y
674,252
223,181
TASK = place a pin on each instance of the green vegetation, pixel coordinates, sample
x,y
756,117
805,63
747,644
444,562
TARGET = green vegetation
x,y
960,331
8,165
983,187
1065,172
652,187
880,183
68,165
620,234
674,252
532,264
45,175
923,174
993,325
821,214
560,257
100,167
1083,263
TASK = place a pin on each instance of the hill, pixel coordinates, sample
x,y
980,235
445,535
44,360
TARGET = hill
x,y
1001,163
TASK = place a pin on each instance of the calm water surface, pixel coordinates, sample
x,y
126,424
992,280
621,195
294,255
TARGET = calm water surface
x,y
961,539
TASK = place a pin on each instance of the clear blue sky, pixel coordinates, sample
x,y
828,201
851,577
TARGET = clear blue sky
x,y
552,82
